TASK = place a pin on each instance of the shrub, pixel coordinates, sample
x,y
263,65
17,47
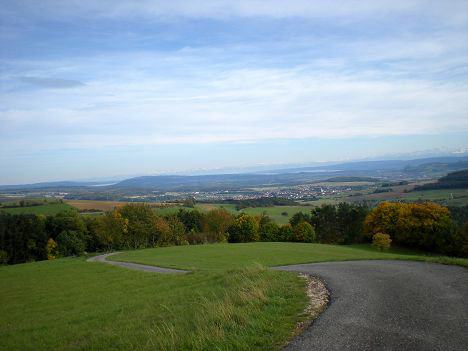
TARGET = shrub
x,y
269,232
285,233
244,229
196,238
3,257
51,248
303,232
381,241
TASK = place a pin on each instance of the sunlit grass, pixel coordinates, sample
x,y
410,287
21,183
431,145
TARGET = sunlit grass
x,y
227,256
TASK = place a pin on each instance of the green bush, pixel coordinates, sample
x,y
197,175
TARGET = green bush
x,y
244,229
381,241
304,233
285,233
269,232
3,257
70,243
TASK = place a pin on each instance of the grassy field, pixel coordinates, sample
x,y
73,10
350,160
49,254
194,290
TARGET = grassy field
x,y
221,257
448,197
46,209
229,302
70,304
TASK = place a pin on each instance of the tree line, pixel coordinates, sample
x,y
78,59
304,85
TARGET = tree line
x,y
260,202
28,237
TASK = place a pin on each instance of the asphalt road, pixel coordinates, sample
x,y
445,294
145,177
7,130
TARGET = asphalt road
x,y
135,266
388,305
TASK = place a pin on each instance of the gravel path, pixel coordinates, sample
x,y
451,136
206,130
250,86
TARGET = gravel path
x,y
388,305
136,266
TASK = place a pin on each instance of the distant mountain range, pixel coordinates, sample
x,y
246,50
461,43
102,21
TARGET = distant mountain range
x,y
432,167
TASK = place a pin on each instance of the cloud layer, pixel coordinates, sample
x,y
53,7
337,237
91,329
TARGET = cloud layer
x,y
94,74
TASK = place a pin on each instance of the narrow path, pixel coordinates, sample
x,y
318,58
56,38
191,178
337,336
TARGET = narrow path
x,y
388,305
136,266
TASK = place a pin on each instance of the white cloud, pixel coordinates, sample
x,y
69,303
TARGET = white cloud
x,y
399,82
248,105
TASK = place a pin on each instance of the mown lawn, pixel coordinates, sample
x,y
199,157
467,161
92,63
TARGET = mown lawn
x,y
219,257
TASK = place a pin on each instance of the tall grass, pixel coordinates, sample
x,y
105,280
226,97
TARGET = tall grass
x,y
69,304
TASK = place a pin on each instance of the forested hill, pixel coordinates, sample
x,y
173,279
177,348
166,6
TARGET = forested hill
x,y
454,180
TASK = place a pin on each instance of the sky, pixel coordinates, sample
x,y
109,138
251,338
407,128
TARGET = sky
x,y
122,87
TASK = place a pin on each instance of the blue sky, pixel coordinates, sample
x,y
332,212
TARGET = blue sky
x,y
101,88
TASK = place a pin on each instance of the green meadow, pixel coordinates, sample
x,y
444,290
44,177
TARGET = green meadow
x,y
221,257
46,209
229,302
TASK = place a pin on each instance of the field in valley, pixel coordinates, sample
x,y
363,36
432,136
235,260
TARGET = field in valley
x,y
46,209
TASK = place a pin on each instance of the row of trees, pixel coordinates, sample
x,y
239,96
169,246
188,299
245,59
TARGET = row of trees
x,y
335,224
25,238
426,226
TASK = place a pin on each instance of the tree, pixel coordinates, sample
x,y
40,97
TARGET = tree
x,y
177,230
161,233
111,229
216,223
460,242
269,231
70,243
303,232
381,241
285,233
426,226
192,219
23,237
325,221
51,248
140,224
299,217
244,229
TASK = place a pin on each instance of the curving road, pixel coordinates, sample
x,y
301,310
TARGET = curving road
x,y
135,266
388,305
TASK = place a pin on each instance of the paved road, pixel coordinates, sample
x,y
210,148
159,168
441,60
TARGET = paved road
x,y
136,266
388,305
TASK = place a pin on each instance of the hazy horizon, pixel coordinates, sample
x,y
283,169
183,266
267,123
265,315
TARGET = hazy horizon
x,y
94,89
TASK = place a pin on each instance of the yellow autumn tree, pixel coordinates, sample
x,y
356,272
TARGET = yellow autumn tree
x,y
427,226
381,241
51,249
